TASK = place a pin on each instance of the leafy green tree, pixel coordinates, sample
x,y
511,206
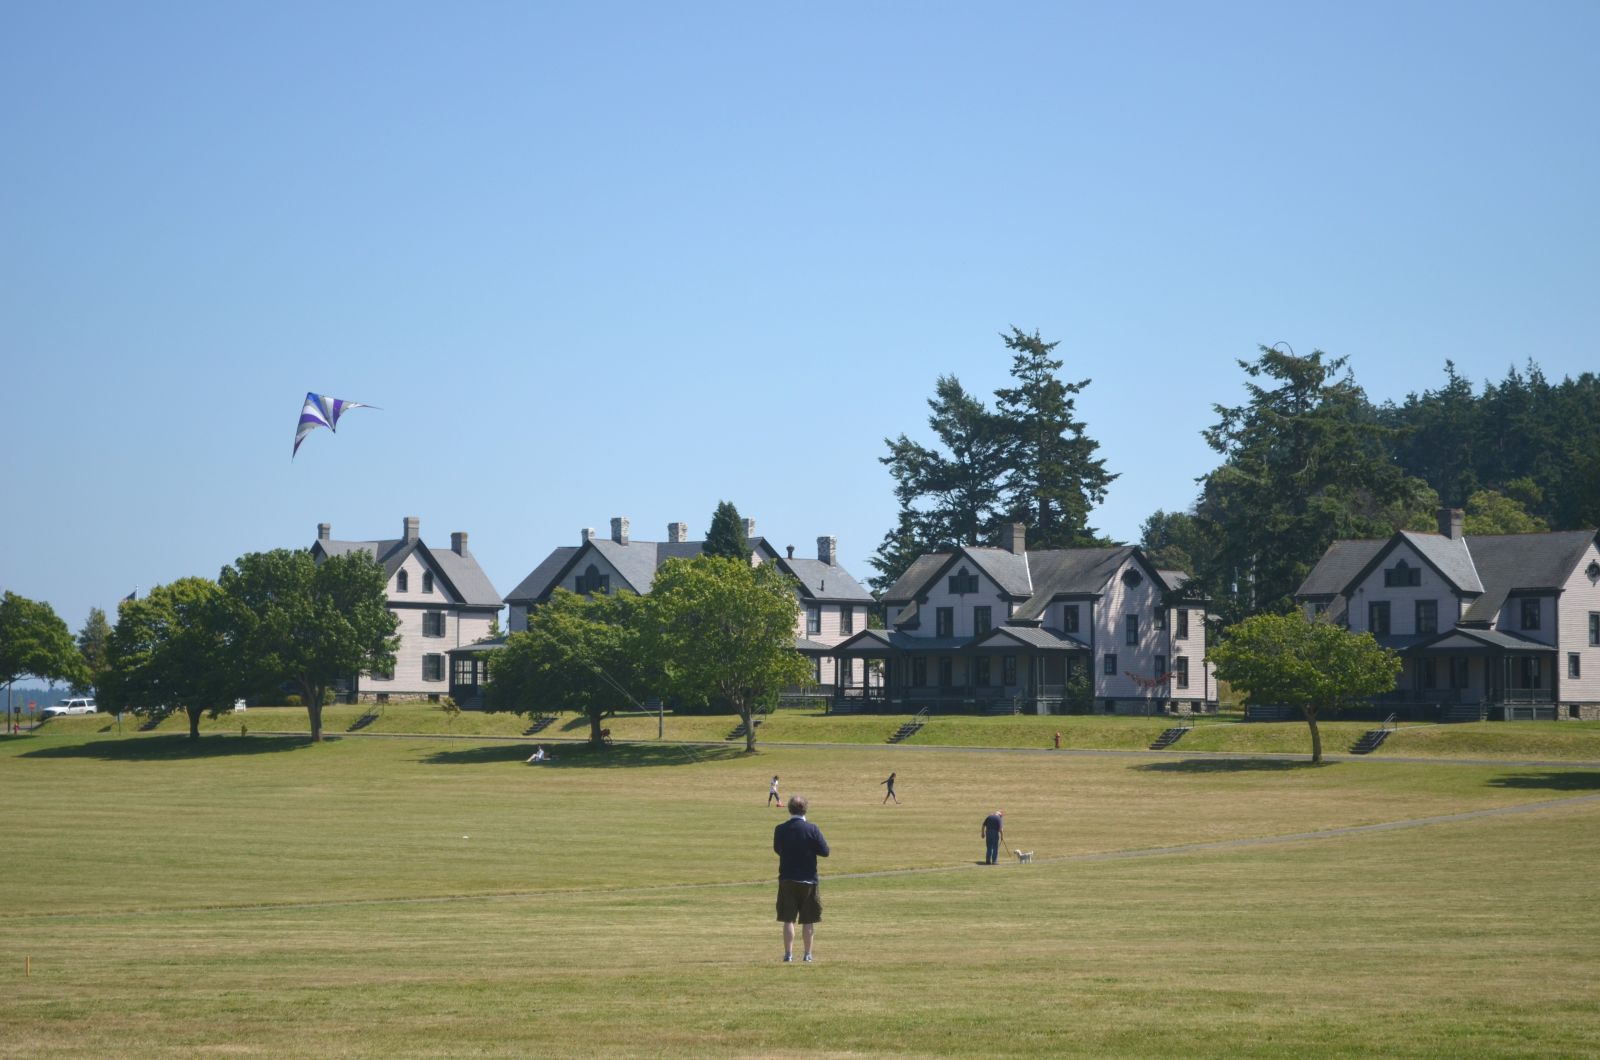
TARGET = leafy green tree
x,y
1492,512
92,640
726,537
1172,540
34,640
1291,661
719,628
171,650
1054,478
1305,461
578,652
309,623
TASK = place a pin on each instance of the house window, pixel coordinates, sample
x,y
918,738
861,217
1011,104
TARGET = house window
x,y
813,619
1530,614
466,673
980,671
427,581
1111,664
1008,670
1573,666
1378,618
592,581
847,671
847,620
980,621
1318,609
433,667
919,672
1132,623
1180,671
944,622
385,674
1594,627
433,623
1402,574
1182,632
1427,616
402,582
962,583
1161,665
1458,673
946,673
1069,618
1161,618
819,670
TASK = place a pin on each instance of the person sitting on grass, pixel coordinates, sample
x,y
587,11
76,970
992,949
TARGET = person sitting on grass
x,y
538,756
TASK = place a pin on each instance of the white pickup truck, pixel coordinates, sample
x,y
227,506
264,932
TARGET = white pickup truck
x,y
76,705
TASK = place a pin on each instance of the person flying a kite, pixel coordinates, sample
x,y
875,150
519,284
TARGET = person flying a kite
x,y
320,411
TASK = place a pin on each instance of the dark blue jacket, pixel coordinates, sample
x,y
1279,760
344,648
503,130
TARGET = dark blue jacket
x,y
798,843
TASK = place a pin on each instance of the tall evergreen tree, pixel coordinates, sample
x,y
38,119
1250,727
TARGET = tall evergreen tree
x,y
1054,477
1305,461
92,640
726,536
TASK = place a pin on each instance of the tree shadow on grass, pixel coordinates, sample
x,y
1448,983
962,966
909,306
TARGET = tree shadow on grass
x,y
172,748
1574,780
567,756
1232,765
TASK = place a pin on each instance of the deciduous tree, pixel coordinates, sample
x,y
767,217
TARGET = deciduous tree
x,y
309,624
720,628
578,652
1310,664
171,650
34,640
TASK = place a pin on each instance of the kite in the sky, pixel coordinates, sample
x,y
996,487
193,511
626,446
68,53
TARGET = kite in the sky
x,y
320,411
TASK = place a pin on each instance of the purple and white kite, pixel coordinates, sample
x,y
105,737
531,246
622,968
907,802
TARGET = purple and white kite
x,y
320,411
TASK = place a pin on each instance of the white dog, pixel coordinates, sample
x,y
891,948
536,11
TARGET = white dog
x,y
1024,856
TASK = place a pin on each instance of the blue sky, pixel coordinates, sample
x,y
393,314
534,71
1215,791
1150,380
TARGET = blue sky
x,y
613,259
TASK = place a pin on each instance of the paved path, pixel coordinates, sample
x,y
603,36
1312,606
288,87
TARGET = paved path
x,y
1244,842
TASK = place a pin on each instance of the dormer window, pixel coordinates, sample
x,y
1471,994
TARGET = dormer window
x,y
1530,614
963,582
1402,574
402,582
592,581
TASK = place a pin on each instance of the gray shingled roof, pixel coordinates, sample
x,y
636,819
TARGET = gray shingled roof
x,y
1450,555
1005,568
822,581
538,581
471,585
1069,571
1507,562
1342,562
908,585
1033,637
1458,638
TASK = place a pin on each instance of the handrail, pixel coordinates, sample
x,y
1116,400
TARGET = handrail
x,y
1390,722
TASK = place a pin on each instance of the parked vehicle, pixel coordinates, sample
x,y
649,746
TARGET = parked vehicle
x,y
76,705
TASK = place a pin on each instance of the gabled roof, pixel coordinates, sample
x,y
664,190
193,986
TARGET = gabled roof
x,y
908,585
539,580
824,581
636,564
1073,572
462,575
1508,562
1450,555
1460,639
1339,566
1029,637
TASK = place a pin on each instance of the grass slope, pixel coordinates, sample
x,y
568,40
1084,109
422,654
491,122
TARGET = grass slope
x,y
267,897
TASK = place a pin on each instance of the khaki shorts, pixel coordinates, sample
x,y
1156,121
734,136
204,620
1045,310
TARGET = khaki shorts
x,y
799,901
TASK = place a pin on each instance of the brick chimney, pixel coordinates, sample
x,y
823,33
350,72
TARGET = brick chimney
x,y
677,533
586,535
791,551
619,530
828,550
1450,520
1014,539
324,531
458,543
749,529
413,528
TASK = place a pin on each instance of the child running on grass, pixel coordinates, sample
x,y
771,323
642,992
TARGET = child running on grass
x,y
772,794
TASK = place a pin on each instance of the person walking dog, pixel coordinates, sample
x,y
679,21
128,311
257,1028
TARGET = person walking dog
x,y
798,843
993,830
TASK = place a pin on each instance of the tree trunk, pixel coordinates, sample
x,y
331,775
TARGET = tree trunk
x,y
194,721
314,712
595,739
749,727
1316,737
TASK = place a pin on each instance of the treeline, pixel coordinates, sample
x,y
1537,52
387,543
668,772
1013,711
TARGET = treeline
x,y
1306,459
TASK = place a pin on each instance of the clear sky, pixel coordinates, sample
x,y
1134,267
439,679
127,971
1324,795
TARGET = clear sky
x,y
610,259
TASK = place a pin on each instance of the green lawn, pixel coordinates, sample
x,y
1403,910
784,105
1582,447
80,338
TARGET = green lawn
x,y
262,896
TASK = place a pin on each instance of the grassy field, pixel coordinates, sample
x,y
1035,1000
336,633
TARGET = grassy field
x,y
261,896
1566,741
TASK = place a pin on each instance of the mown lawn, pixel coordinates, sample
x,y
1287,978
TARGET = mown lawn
x,y
262,896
